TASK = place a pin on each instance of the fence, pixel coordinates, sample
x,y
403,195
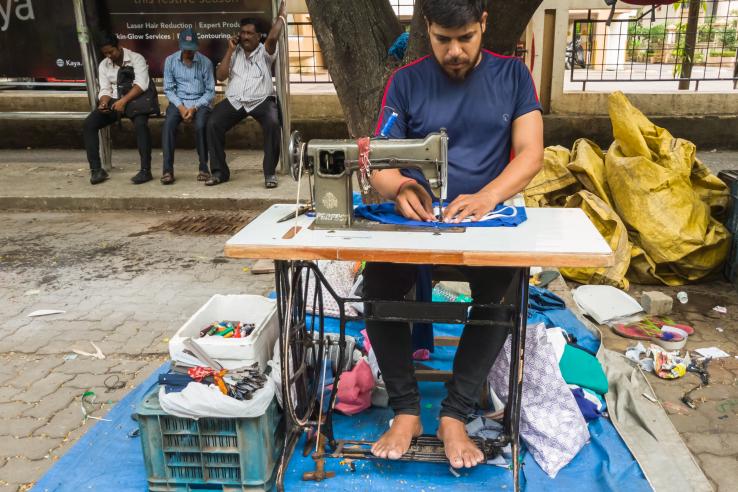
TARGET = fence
x,y
684,44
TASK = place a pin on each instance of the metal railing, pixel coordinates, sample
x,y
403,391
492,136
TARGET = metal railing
x,y
306,59
658,46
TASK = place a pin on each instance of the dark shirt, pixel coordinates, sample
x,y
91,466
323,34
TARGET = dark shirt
x,y
477,113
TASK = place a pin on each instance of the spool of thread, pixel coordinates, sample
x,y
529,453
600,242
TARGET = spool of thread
x,y
388,125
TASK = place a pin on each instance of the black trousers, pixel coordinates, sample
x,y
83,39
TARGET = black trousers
x,y
225,116
477,350
98,120
169,137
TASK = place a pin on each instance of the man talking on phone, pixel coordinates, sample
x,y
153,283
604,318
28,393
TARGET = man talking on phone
x,y
112,106
247,65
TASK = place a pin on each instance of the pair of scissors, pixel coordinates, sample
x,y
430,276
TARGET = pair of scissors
x,y
301,210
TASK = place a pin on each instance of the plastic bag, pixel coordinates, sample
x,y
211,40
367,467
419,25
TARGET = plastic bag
x,y
199,400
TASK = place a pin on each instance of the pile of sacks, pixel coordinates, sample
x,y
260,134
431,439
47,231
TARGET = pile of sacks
x,y
652,200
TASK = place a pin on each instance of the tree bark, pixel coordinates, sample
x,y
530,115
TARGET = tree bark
x,y
354,36
690,41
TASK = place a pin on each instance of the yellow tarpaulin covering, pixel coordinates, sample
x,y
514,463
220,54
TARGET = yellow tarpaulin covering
x,y
554,183
613,230
650,183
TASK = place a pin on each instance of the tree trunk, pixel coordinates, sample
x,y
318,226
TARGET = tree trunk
x,y
354,36
690,41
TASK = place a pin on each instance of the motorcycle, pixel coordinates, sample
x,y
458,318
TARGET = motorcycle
x,y
575,54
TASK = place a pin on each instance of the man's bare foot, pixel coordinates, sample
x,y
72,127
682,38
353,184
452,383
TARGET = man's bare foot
x,y
396,441
460,450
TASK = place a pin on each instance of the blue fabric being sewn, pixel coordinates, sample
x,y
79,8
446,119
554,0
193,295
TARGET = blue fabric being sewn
x,y
385,213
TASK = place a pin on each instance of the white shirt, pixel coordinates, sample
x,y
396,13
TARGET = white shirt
x,y
109,73
250,78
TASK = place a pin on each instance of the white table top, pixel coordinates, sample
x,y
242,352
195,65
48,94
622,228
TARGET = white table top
x,y
557,237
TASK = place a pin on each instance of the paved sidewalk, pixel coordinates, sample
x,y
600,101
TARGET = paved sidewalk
x,y
60,180
122,287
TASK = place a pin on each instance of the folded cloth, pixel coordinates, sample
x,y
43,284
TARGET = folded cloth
x,y
384,213
579,367
589,409
543,299
174,382
355,389
551,423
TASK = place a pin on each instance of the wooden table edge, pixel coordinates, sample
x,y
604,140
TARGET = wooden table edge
x,y
512,259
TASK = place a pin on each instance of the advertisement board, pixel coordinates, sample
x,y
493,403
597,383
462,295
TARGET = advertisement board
x,y
150,27
38,37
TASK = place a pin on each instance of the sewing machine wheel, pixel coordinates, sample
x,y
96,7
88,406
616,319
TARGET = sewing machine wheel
x,y
304,351
295,152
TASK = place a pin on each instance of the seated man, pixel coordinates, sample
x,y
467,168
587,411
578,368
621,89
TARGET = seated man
x,y
247,65
489,107
112,107
189,84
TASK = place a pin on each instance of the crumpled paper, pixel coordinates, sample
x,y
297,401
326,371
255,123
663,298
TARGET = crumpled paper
x,y
669,365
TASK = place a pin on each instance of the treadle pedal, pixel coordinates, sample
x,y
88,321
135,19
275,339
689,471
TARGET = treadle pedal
x,y
425,448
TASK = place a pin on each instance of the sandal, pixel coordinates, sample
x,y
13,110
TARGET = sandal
x,y
669,337
203,176
214,180
167,179
270,182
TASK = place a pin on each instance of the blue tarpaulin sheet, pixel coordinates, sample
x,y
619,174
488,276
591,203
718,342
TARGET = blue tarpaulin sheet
x,y
105,458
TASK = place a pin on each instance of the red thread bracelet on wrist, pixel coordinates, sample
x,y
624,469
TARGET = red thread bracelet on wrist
x,y
402,185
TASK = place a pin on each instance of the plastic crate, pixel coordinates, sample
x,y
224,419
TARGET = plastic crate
x,y
222,454
730,270
231,352
730,178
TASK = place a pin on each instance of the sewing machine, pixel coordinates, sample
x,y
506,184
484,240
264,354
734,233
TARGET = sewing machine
x,y
332,163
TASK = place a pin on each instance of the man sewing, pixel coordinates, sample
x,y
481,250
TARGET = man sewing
x,y
488,105
247,65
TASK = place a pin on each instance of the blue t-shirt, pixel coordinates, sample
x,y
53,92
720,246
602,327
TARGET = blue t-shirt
x,y
477,113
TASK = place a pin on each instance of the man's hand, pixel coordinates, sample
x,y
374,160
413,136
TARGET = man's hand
x,y
474,206
119,106
190,114
104,102
233,42
414,203
282,9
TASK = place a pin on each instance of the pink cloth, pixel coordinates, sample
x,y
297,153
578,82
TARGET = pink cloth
x,y
355,389
421,354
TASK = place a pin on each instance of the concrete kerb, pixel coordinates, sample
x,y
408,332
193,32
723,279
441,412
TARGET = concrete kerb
x,y
66,203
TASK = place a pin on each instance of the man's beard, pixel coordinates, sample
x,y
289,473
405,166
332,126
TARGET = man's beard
x,y
462,73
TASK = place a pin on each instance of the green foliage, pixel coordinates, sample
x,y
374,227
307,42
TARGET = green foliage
x,y
723,53
644,41
728,37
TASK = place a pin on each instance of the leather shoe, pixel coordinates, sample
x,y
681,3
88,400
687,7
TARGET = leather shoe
x,y
97,176
141,177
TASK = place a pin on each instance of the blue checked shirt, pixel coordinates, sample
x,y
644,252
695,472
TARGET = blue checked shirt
x,y
192,86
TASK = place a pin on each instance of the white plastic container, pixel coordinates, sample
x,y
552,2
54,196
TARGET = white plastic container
x,y
231,352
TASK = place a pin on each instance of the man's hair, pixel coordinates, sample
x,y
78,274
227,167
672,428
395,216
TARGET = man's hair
x,y
453,13
253,21
108,40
